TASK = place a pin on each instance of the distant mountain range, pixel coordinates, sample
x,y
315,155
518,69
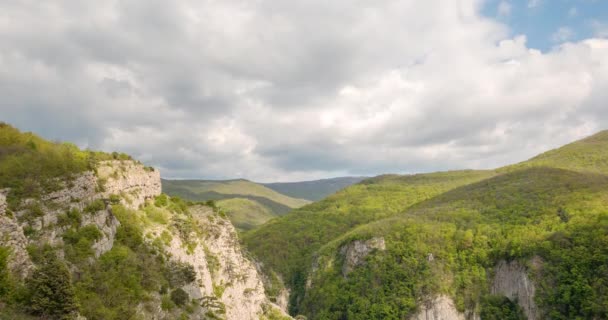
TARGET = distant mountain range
x,y
249,204
313,190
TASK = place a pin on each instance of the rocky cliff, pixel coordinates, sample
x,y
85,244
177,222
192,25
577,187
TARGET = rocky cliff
x,y
355,252
227,282
439,308
511,280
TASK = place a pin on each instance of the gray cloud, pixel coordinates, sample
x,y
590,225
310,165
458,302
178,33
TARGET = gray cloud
x,y
274,90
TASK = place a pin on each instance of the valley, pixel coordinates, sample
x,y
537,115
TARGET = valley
x,y
100,236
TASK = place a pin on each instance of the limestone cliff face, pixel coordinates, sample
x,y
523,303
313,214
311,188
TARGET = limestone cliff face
x,y
134,182
439,308
40,218
511,280
11,235
227,283
355,252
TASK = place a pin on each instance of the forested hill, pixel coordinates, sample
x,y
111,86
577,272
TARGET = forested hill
x,y
313,190
459,242
247,204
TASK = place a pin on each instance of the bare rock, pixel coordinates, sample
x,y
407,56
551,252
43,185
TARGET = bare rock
x,y
11,236
355,252
511,280
439,308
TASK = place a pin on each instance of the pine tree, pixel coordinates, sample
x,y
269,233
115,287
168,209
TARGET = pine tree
x,y
51,290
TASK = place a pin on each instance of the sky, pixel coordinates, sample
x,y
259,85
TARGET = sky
x,y
273,90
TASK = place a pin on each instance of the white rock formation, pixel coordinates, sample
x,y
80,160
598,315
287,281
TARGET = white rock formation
x,y
439,308
11,235
128,179
224,274
511,280
355,252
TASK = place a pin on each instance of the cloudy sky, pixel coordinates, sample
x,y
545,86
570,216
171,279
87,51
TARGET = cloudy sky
x,y
294,90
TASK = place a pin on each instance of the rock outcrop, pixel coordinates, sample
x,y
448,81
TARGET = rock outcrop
x,y
227,282
355,252
130,181
439,308
134,182
511,280
12,236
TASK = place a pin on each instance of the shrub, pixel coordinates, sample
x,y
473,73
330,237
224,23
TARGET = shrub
x,y
71,218
95,206
161,201
78,243
4,272
179,297
114,199
50,290
179,273
500,308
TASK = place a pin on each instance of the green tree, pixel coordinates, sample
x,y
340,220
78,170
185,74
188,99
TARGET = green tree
x,y
51,291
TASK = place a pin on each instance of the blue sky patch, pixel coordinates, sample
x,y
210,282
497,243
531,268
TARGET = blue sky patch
x,y
547,23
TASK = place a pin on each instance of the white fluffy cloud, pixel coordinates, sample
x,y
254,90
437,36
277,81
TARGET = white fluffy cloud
x,y
274,90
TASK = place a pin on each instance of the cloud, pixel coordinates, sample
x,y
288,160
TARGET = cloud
x,y
272,90
572,12
562,34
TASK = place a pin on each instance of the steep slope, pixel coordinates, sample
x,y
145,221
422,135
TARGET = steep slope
x,y
91,235
445,250
589,154
244,214
286,245
448,245
313,190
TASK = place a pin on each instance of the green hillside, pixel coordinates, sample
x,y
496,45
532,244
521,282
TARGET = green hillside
x,y
29,164
246,214
554,206
589,154
313,190
286,244
247,203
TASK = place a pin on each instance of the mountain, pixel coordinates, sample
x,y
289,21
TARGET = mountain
x,y
247,203
88,235
526,241
313,190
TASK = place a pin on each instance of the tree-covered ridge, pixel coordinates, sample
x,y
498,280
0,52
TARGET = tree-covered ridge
x,y
30,165
558,215
286,244
588,154
247,204
552,207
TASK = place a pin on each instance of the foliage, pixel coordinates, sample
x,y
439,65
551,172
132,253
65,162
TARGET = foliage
x,y
246,204
245,214
78,242
286,244
500,308
72,218
51,293
95,206
30,165
5,283
113,286
551,207
180,297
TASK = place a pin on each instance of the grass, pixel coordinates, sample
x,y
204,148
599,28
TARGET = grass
x,y
231,188
245,214
247,204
